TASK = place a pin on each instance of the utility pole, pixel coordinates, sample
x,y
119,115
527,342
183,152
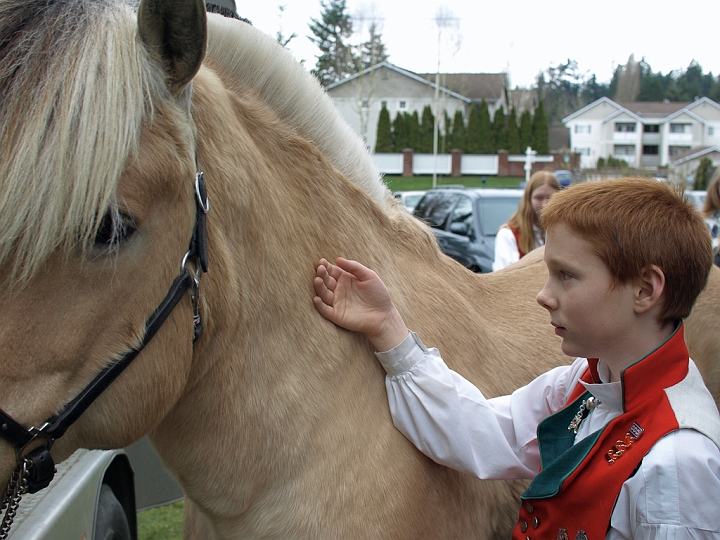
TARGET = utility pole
x,y
443,19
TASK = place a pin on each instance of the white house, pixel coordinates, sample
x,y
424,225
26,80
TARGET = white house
x,y
644,134
361,97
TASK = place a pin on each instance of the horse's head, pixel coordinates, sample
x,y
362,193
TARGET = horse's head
x,y
97,209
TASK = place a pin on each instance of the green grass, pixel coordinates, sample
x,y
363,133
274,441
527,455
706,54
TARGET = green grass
x,y
408,183
161,523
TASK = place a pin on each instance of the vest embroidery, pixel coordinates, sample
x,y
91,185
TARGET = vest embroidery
x,y
633,434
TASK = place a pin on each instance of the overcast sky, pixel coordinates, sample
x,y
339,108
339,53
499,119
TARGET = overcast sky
x,y
521,37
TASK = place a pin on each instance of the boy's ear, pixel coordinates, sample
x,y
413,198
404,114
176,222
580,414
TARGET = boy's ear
x,y
650,288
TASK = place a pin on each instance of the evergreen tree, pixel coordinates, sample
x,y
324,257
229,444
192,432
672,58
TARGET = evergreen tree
x,y
458,131
400,135
526,136
486,144
540,133
331,31
701,175
427,127
413,130
513,133
372,51
651,87
472,135
383,139
499,128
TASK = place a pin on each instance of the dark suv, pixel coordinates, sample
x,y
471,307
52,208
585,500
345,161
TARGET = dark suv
x,y
465,221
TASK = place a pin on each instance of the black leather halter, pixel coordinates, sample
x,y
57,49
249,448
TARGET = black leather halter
x,y
39,462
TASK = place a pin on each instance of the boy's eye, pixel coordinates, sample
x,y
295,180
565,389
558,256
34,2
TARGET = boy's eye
x,y
564,275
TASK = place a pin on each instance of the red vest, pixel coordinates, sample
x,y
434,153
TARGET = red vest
x,y
574,495
516,233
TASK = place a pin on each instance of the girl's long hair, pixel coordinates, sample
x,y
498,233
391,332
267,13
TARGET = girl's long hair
x,y
712,200
524,217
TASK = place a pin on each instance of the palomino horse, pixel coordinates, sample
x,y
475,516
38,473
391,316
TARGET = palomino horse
x,y
274,421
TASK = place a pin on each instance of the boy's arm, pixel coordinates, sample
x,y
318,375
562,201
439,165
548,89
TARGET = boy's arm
x,y
449,420
443,414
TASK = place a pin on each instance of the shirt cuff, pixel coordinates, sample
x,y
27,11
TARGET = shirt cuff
x,y
404,356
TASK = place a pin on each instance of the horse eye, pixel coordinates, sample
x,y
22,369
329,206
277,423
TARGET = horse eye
x,y
115,228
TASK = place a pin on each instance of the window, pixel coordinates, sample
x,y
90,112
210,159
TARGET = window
x,y
582,151
365,103
651,128
402,104
625,127
651,150
679,128
461,219
624,150
583,128
435,207
383,104
711,131
495,211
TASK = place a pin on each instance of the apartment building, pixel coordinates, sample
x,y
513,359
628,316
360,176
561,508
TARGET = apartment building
x,y
644,134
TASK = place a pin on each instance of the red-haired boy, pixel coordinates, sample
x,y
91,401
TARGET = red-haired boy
x,y
623,443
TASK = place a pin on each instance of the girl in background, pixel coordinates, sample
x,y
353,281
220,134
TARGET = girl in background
x,y
711,212
522,233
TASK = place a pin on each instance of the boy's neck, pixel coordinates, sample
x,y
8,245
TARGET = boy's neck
x,y
637,345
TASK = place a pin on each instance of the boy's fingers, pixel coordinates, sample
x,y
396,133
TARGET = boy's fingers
x,y
322,291
324,310
355,268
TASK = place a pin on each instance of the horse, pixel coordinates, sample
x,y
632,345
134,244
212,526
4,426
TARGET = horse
x,y
274,421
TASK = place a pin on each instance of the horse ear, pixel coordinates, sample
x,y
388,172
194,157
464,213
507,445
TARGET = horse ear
x,y
175,32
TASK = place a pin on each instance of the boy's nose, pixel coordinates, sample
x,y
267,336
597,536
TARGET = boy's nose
x,y
544,298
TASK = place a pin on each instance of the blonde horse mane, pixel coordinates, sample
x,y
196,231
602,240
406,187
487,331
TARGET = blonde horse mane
x,y
295,96
75,87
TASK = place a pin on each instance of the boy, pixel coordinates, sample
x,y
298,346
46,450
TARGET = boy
x,y
623,443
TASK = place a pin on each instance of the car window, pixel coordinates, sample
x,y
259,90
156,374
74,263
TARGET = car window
x,y
495,211
435,207
412,200
463,212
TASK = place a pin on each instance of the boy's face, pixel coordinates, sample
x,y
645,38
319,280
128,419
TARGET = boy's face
x,y
593,319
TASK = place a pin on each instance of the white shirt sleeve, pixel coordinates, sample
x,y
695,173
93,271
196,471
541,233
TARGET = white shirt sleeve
x,y
675,493
450,421
506,250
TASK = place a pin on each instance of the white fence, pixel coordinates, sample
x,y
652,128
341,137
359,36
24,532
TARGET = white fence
x,y
425,164
389,163
479,164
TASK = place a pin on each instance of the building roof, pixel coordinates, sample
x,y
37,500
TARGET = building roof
x,y
693,153
476,86
646,111
658,109
401,71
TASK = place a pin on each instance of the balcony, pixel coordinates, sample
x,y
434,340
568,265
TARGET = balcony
x,y
624,137
679,138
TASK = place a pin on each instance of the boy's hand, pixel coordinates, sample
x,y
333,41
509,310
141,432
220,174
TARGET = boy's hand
x,y
355,298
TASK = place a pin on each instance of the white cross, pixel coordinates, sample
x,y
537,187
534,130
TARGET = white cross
x,y
529,160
